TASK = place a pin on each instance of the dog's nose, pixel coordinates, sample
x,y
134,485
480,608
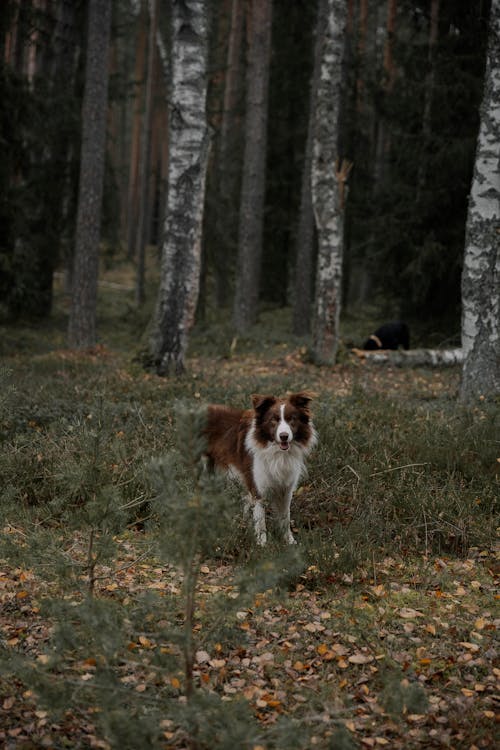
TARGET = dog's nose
x,y
283,437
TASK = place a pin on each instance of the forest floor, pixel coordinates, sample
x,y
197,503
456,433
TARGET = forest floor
x,y
380,632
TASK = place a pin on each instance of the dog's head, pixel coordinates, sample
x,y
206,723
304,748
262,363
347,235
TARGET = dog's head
x,y
283,421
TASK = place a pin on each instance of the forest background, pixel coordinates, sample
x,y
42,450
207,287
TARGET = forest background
x,y
136,609
412,86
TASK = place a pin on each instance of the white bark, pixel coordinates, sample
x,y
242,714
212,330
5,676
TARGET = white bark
x,y
481,272
188,153
413,357
328,211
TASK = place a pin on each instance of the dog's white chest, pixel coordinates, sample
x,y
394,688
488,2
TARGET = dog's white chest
x,y
275,470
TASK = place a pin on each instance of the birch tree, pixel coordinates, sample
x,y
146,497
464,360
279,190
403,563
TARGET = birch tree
x,y
481,270
82,319
328,179
189,140
254,164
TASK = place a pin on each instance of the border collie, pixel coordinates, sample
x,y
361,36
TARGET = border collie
x,y
389,336
265,447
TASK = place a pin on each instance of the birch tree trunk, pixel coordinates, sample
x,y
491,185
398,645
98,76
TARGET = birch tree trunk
x,y
82,318
188,140
327,190
481,271
254,165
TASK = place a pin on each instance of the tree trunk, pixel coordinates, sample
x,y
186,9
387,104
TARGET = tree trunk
x,y
327,187
82,319
430,83
413,357
133,179
305,234
227,161
188,140
143,224
254,166
481,271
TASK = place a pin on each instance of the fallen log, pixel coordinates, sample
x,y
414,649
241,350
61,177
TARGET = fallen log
x,y
412,357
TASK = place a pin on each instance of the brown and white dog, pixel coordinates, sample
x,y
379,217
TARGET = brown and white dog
x,y
265,448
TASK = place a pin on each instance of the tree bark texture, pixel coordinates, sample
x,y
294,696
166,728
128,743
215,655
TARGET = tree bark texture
x,y
326,192
228,171
82,320
305,233
143,227
481,270
135,145
189,141
413,357
254,166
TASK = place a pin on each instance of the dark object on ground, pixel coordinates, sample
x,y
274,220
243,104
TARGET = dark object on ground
x,y
389,336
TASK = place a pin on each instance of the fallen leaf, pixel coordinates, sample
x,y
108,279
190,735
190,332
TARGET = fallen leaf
x,y
360,659
408,613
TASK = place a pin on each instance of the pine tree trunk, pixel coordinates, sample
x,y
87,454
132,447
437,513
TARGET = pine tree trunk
x,y
82,319
305,234
481,271
254,166
227,162
430,83
133,176
143,224
326,193
188,140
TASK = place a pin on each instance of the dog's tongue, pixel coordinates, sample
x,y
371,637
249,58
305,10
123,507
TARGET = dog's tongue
x,y
284,445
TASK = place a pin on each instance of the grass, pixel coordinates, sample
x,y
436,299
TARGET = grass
x,y
378,630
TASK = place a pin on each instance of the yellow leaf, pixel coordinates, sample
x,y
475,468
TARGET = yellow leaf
x,y
322,649
175,683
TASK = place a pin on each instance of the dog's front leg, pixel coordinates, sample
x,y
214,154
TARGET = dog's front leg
x,y
282,512
259,517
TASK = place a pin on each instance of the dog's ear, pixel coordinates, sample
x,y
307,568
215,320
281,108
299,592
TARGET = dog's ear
x,y
262,403
301,399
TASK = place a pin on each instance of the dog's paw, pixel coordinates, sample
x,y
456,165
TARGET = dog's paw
x,y
262,538
290,539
